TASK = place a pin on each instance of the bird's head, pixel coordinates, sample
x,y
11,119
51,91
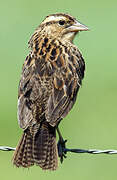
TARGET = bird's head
x,y
61,26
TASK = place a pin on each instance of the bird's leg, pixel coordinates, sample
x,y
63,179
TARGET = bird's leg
x,y
61,146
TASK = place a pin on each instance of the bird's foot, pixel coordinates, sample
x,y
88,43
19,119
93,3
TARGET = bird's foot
x,y
62,149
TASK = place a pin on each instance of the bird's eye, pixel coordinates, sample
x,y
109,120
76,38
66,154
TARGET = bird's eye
x,y
61,22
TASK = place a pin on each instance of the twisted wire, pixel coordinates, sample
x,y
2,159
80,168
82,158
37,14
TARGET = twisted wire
x,y
90,151
7,148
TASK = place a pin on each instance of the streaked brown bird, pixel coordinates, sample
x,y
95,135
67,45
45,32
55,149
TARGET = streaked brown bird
x,y
51,77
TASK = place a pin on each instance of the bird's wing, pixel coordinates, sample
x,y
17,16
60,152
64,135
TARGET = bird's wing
x,y
34,88
65,88
30,98
60,101
24,92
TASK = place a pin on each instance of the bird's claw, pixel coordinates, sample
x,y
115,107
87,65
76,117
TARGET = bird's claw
x,y
62,149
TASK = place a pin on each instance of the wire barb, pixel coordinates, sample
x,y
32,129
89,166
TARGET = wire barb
x,y
90,151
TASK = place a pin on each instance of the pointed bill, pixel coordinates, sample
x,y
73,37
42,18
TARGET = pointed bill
x,y
77,26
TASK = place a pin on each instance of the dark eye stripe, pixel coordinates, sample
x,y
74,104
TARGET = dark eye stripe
x,y
61,22
53,22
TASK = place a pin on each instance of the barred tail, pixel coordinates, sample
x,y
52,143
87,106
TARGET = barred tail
x,y
40,149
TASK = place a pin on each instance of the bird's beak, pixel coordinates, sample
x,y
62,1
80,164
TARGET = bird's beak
x,y
78,27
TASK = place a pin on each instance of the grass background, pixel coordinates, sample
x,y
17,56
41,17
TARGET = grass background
x,y
92,123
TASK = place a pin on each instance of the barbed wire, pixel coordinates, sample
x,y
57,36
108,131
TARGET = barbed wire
x,y
90,151
7,148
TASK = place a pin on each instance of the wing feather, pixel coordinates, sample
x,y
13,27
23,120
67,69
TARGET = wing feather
x,y
66,83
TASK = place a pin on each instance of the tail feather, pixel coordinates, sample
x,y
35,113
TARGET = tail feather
x,y
29,150
51,158
40,145
40,149
17,157
23,153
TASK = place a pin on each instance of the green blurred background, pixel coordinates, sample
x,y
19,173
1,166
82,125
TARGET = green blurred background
x,y
92,122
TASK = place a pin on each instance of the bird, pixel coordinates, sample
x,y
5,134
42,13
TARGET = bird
x,y
51,76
